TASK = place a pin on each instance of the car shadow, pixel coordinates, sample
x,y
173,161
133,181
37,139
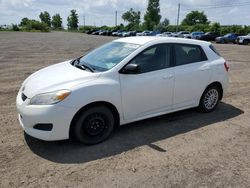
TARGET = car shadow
x,y
130,136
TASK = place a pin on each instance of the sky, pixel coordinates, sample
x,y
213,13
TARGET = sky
x,y
102,12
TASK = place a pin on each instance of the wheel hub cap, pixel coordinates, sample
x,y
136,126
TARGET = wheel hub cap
x,y
95,124
211,99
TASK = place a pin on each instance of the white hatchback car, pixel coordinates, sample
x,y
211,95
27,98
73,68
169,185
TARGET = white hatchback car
x,y
126,80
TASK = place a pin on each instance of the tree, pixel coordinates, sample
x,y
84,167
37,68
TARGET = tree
x,y
165,22
162,26
152,16
56,21
133,18
73,20
24,22
45,17
215,27
195,17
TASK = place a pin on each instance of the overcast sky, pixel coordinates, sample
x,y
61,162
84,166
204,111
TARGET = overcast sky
x,y
102,12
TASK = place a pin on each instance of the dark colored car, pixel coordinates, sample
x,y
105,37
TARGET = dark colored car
x,y
96,32
228,38
91,31
104,32
209,36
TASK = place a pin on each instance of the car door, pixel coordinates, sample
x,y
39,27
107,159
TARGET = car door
x,y
151,89
192,74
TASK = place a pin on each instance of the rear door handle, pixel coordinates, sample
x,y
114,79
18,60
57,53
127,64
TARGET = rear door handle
x,y
168,76
204,68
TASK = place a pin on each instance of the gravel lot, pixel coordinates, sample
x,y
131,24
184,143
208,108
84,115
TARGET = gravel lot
x,y
184,149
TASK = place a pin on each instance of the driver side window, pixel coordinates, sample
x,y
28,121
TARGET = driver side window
x,y
154,58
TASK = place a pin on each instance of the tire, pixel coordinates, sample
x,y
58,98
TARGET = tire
x,y
245,42
94,125
210,99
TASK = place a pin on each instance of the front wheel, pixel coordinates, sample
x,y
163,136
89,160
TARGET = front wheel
x,y
245,42
210,99
94,125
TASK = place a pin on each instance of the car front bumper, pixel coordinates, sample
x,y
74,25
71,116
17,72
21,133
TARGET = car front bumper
x,y
59,116
240,41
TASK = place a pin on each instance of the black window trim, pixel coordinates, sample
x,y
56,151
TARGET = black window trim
x,y
204,56
172,55
172,60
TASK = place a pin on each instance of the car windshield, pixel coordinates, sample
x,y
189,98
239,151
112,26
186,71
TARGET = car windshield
x,y
228,35
107,56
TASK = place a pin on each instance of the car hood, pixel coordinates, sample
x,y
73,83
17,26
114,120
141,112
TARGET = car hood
x,y
56,77
244,37
219,38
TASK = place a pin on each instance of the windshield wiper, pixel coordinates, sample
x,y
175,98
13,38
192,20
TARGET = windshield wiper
x,y
87,67
76,61
83,65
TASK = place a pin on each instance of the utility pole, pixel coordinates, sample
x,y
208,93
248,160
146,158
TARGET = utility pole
x,y
115,18
83,21
178,17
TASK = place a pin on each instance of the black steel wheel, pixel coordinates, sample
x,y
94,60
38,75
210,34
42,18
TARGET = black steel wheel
x,y
94,125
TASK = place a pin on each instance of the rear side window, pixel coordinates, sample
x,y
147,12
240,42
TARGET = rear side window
x,y
214,49
186,54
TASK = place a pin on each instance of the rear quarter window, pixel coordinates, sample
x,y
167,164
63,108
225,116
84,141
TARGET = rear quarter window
x,y
187,53
214,50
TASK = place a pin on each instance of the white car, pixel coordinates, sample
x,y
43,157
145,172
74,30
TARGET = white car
x,y
165,34
126,80
243,39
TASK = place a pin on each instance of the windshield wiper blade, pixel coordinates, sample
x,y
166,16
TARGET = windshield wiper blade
x,y
80,66
84,67
88,67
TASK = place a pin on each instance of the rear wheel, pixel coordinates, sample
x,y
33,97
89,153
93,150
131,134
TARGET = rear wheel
x,y
210,99
94,125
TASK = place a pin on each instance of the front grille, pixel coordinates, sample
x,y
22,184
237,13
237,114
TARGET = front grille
x,y
24,97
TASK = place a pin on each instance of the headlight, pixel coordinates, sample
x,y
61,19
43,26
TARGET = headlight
x,y
49,98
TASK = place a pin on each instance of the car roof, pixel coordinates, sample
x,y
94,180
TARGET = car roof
x,y
141,40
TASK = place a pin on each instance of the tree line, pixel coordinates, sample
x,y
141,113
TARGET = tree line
x,y
47,22
194,21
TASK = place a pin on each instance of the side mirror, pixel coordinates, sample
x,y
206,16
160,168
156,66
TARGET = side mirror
x,y
131,69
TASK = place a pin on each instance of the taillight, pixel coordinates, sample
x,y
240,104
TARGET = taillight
x,y
226,66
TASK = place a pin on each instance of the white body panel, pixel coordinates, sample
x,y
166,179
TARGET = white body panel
x,y
135,97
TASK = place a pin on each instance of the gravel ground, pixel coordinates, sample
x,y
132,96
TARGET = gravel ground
x,y
184,149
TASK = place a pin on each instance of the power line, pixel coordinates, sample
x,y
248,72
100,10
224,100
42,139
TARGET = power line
x,y
219,6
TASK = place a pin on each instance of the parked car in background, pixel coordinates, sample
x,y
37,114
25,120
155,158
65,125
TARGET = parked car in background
x,y
87,97
144,33
117,33
96,32
129,34
209,36
194,35
126,34
228,38
109,33
180,34
165,34
104,32
153,33
243,39
91,31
